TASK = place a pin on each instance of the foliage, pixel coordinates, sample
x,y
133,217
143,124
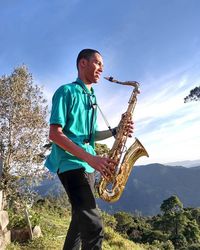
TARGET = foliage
x,y
18,220
109,220
101,149
122,230
175,228
194,213
54,226
23,132
194,247
173,219
115,241
59,204
150,236
193,96
172,204
166,245
192,232
179,241
124,222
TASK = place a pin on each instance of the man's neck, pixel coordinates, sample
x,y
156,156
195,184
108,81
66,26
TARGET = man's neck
x,y
87,84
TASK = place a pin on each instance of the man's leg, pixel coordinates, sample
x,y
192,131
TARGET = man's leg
x,y
91,229
86,221
73,240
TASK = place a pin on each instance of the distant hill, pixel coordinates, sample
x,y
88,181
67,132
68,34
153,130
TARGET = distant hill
x,y
49,187
148,186
187,164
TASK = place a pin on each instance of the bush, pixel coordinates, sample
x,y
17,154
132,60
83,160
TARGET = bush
x,y
152,235
18,219
109,220
167,245
194,247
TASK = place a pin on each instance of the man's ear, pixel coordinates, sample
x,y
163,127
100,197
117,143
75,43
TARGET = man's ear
x,y
83,62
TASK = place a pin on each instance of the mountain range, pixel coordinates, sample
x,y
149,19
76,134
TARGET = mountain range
x,y
187,164
147,187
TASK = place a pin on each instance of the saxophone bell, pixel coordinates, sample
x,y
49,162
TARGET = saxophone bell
x,y
111,190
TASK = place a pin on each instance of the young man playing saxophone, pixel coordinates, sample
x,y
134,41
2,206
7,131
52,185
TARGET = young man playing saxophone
x,y
73,133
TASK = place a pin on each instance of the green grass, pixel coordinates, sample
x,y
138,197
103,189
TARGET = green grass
x,y
54,225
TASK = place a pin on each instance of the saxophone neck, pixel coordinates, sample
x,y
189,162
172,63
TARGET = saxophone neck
x,y
134,84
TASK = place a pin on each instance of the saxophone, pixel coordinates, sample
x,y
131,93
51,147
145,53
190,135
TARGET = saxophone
x,y
111,188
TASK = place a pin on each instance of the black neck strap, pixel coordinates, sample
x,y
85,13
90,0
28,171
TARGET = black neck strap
x,y
93,106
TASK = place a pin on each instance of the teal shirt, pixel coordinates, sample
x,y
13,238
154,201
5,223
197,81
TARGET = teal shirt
x,y
71,108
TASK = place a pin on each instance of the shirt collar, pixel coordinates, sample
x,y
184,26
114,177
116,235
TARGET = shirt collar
x,y
82,84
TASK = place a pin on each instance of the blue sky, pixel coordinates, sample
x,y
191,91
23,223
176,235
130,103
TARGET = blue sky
x,y
155,42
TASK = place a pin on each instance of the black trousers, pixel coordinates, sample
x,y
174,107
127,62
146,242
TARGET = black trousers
x,y
86,229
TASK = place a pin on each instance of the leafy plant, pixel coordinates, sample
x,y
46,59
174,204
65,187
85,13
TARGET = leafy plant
x,y
18,220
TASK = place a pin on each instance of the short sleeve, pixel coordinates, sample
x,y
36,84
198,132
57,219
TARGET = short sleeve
x,y
60,106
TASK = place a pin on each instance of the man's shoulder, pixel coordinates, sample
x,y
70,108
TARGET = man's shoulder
x,y
66,88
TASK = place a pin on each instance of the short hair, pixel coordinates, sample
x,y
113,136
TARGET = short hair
x,y
86,54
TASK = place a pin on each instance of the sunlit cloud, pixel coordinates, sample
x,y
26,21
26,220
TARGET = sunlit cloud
x,y
167,126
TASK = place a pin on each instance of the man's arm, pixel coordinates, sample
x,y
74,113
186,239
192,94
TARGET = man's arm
x,y
101,164
102,135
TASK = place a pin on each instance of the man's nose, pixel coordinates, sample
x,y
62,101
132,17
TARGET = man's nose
x,y
101,69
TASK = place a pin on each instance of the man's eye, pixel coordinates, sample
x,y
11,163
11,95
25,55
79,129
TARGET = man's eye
x,y
99,63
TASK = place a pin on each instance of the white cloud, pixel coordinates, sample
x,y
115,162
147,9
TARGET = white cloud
x,y
168,127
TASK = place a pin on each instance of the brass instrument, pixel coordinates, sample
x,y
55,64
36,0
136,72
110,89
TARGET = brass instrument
x,y
110,189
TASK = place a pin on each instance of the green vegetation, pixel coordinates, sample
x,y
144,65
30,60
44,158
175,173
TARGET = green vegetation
x,y
54,221
175,228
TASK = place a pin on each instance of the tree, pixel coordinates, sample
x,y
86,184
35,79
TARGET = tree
x,y
101,149
173,219
124,222
194,95
192,232
195,213
179,241
23,131
172,204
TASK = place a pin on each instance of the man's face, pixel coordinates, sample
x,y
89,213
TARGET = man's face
x,y
94,68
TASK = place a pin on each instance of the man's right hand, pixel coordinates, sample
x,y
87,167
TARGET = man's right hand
x,y
104,165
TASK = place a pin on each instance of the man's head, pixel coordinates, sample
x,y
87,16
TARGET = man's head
x,y
85,54
90,65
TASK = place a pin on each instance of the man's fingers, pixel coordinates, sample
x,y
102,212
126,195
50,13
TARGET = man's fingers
x,y
110,161
108,172
105,173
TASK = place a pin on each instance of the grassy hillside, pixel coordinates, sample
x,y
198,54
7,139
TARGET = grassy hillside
x,y
54,224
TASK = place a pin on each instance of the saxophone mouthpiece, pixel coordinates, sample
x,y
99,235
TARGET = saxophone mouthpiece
x,y
109,78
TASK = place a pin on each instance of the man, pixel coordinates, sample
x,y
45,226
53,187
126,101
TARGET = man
x,y
73,131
